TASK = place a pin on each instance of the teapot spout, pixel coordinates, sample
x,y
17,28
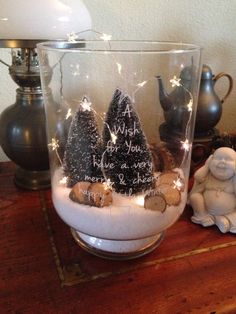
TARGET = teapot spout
x,y
164,97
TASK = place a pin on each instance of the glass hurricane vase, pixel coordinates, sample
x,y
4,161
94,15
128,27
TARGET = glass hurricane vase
x,y
120,120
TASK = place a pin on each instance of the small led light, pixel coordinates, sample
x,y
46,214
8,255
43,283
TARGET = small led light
x,y
185,145
119,67
175,81
63,180
69,113
113,138
190,105
106,37
142,84
139,200
85,104
72,37
54,144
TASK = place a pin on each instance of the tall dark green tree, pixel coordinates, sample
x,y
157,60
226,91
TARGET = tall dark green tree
x,y
127,161
82,158
111,114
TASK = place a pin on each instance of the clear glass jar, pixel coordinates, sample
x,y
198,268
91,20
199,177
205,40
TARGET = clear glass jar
x,y
120,120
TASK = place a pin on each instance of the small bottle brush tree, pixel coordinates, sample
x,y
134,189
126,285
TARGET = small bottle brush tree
x,y
127,160
82,158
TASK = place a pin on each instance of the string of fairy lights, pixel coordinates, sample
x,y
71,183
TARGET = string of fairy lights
x,y
86,105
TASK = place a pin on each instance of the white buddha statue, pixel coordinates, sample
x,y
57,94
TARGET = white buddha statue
x,y
213,196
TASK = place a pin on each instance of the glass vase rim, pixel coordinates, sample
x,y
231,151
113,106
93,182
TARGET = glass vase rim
x,y
79,46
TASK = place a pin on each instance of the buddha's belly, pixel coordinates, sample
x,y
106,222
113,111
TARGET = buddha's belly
x,y
219,202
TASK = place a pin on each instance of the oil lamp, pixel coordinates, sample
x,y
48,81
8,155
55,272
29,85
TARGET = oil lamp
x,y
22,125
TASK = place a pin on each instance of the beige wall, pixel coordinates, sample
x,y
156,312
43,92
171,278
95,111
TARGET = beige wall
x,y
209,23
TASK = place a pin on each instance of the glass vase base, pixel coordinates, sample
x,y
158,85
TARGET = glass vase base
x,y
117,249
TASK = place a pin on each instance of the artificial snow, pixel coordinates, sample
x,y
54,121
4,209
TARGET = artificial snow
x,y
125,219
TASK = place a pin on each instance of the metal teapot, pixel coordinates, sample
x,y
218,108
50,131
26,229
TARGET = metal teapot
x,y
174,104
209,108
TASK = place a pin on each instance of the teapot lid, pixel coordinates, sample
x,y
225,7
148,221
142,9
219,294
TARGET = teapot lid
x,y
186,73
206,72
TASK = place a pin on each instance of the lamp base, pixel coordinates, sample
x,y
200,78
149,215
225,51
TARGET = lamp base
x,y
32,180
117,249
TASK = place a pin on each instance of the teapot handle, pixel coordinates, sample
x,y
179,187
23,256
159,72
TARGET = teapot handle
x,y
229,77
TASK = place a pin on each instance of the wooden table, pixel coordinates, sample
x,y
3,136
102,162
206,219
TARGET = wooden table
x,y
42,270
